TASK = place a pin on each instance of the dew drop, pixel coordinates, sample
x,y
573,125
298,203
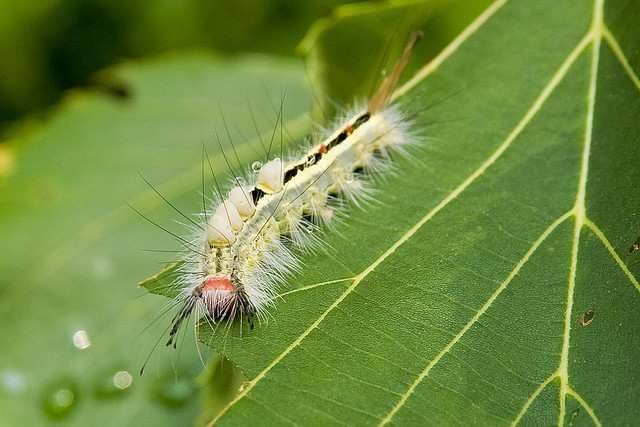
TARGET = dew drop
x,y
112,384
60,398
122,380
255,166
174,392
81,339
13,382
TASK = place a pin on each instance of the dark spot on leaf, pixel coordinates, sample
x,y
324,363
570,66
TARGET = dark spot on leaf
x,y
587,317
112,87
635,247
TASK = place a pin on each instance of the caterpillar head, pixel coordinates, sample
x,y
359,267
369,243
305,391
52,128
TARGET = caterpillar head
x,y
219,294
224,297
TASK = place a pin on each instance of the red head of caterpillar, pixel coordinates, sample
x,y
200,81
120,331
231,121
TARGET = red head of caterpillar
x,y
245,249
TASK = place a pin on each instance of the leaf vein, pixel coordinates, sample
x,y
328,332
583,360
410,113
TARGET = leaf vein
x,y
312,286
451,48
532,398
607,244
368,353
351,377
571,392
579,207
467,399
476,317
537,104
619,53
265,406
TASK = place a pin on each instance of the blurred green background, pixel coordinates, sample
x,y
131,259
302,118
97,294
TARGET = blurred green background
x,y
94,93
48,46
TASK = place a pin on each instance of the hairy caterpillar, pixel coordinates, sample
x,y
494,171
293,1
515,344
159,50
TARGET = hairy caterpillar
x,y
244,252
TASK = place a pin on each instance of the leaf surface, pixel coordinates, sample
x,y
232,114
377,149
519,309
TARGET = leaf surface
x,y
349,52
494,283
72,250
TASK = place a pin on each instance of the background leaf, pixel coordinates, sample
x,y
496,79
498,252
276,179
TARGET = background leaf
x,y
495,284
48,46
72,250
348,52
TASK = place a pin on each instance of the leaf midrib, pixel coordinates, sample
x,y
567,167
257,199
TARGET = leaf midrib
x,y
579,208
596,32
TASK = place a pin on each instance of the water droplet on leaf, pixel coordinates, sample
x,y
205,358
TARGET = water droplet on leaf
x,y
81,339
255,166
174,392
60,398
13,382
122,380
113,383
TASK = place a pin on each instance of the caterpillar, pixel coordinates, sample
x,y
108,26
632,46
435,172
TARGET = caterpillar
x,y
247,247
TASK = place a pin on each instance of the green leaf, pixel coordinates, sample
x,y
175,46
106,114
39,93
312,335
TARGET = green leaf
x,y
494,284
162,282
72,249
48,63
348,52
